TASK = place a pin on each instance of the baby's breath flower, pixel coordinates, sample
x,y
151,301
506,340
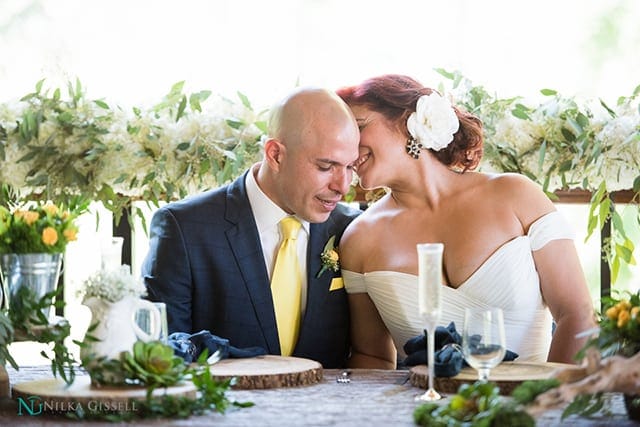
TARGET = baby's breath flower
x,y
113,285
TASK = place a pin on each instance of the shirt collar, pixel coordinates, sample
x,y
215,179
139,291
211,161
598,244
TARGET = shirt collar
x,y
266,213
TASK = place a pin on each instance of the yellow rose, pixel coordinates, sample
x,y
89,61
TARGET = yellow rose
x,y
623,318
333,256
28,217
623,305
50,208
612,313
49,236
70,234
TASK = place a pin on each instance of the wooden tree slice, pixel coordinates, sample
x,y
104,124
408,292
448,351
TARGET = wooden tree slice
x,y
268,372
55,393
507,375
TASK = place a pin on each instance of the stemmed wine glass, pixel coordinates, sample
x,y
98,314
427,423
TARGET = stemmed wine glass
x,y
483,339
430,302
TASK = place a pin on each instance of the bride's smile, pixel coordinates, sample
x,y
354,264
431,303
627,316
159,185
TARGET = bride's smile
x,y
362,159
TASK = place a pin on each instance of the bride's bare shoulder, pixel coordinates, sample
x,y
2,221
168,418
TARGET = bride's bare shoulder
x,y
366,228
513,184
524,196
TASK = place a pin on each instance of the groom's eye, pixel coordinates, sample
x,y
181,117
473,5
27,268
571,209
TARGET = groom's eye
x,y
325,165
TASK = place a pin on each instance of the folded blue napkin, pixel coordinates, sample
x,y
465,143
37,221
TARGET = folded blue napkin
x,y
448,361
190,346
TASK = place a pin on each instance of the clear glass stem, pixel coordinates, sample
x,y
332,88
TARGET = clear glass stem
x,y
483,374
431,394
431,338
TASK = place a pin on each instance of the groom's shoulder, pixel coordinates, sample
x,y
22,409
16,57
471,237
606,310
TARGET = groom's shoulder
x,y
212,202
343,214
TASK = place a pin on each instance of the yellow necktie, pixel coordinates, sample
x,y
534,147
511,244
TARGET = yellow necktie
x,y
286,287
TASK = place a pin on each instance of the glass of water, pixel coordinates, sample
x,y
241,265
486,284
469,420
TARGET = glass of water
x,y
483,339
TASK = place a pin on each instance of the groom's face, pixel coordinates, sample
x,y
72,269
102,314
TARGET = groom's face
x,y
317,171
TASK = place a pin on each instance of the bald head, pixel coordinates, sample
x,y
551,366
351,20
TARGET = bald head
x,y
306,113
309,154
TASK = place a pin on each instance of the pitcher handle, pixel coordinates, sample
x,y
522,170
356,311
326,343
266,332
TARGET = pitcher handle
x,y
155,321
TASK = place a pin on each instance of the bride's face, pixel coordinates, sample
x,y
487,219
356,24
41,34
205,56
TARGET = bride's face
x,y
381,148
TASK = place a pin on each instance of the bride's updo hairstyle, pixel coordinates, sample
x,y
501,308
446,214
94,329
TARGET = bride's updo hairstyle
x,y
395,97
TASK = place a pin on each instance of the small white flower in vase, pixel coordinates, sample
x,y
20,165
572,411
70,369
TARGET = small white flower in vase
x,y
114,298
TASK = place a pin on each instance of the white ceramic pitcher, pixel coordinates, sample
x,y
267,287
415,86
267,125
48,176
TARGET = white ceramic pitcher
x,y
118,330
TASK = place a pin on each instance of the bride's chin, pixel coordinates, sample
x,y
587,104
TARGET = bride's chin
x,y
365,184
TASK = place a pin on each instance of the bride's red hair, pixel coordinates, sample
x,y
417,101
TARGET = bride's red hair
x,y
395,97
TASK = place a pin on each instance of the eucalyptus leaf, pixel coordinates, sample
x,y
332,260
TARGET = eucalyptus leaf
x,y
244,100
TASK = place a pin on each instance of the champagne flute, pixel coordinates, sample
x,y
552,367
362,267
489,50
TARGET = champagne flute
x,y
430,303
483,339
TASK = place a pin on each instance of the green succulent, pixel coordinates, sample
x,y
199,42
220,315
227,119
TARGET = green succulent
x,y
153,364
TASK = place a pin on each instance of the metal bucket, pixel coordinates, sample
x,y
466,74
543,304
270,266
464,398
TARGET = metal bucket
x,y
38,273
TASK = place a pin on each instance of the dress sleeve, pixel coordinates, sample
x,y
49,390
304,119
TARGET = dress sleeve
x,y
552,226
354,283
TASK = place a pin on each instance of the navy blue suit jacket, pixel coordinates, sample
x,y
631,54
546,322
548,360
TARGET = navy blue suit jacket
x,y
205,262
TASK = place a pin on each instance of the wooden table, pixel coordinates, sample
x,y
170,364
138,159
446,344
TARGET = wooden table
x,y
372,398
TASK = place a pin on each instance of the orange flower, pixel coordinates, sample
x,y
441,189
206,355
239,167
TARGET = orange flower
x,y
49,236
623,318
29,217
70,234
50,208
612,313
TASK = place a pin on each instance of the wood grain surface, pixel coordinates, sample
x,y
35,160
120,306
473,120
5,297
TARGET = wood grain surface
x,y
268,371
507,375
56,391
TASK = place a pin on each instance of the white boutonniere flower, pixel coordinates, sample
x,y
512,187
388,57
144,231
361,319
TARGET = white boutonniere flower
x,y
329,257
434,122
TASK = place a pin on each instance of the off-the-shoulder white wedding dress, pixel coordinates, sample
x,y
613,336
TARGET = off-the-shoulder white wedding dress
x,y
508,279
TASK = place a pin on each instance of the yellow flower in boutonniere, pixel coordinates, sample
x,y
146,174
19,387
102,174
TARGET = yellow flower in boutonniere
x,y
329,257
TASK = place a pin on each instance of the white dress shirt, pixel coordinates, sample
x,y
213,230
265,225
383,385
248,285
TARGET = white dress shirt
x,y
268,216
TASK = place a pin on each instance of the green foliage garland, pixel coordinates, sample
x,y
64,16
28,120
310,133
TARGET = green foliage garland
x,y
58,148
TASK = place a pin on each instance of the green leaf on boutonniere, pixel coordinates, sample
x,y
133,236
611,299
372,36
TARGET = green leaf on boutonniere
x,y
329,257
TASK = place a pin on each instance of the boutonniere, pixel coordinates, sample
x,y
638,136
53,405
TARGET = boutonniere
x,y
329,257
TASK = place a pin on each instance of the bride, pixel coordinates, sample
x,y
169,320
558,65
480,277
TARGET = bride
x,y
505,245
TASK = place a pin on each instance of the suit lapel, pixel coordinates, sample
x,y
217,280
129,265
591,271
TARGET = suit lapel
x,y
317,287
247,250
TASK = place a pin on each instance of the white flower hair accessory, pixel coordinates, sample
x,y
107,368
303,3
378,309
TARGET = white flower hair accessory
x,y
432,125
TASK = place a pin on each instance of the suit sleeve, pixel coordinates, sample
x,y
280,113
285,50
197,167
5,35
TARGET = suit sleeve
x,y
166,271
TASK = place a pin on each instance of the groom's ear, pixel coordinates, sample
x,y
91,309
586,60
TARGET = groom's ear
x,y
273,153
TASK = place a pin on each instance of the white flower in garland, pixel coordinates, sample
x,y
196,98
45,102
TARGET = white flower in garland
x,y
620,167
521,134
434,122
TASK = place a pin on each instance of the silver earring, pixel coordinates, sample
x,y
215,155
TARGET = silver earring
x,y
413,148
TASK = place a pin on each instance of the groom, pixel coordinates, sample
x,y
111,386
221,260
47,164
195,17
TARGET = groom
x,y
212,257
